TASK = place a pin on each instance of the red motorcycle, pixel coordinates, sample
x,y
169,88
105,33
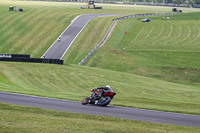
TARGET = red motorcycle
x,y
102,100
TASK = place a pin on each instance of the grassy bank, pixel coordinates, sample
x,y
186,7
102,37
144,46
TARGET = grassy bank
x,y
162,49
88,39
25,119
74,83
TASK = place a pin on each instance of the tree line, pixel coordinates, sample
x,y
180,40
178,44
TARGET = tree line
x,y
146,2
169,1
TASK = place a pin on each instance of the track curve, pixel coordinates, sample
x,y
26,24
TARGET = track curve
x,y
113,111
58,49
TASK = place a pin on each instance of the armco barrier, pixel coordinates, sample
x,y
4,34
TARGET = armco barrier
x,y
114,20
26,58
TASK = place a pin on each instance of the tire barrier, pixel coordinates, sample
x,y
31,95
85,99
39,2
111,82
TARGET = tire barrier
x,y
14,56
114,20
26,58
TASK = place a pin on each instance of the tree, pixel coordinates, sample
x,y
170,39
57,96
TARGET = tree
x,y
178,2
197,1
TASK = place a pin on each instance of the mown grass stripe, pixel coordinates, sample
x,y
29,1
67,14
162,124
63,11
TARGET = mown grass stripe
x,y
175,37
15,35
194,38
42,25
36,27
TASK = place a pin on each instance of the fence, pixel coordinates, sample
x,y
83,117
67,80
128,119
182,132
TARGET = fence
x,y
26,58
114,20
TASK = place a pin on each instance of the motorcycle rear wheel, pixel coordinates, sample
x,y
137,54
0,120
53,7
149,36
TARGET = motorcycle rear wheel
x,y
104,101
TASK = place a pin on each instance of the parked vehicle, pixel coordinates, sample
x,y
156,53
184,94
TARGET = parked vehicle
x,y
146,20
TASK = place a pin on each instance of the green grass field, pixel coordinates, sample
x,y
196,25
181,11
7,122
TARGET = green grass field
x,y
158,69
17,119
162,49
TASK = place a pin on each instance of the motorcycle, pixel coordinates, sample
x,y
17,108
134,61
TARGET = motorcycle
x,y
102,100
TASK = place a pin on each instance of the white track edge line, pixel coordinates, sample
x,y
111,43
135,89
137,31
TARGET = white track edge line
x,y
80,32
37,96
74,39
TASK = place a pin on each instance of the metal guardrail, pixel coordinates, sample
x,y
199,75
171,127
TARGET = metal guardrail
x,y
104,38
114,20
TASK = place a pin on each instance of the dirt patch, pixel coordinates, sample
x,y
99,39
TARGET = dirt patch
x,y
110,32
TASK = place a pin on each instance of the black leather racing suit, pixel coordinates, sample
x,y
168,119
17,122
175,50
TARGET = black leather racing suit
x,y
97,93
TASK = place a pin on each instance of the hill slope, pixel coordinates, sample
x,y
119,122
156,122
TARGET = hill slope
x,y
162,49
74,83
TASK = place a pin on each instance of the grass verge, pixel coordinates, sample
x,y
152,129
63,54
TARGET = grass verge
x,y
25,119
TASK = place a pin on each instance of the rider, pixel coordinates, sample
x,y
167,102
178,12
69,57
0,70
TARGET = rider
x,y
98,91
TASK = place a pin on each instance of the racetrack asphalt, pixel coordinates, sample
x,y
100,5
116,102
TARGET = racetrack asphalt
x,y
113,111
58,49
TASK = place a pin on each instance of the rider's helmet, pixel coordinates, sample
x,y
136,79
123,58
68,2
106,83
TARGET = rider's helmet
x,y
108,86
95,88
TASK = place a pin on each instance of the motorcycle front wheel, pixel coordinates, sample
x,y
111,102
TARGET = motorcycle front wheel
x,y
104,101
85,101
